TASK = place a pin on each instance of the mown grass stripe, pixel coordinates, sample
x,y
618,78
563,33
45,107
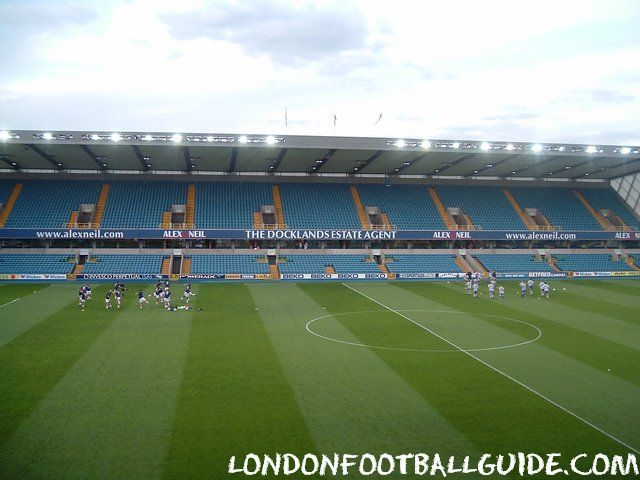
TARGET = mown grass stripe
x,y
600,291
551,364
110,415
37,302
504,374
352,401
479,403
34,362
234,398
566,334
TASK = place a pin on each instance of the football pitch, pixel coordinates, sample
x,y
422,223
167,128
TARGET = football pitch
x,y
271,367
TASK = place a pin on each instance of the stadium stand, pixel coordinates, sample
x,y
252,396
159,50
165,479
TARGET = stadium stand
x,y
48,203
606,199
5,190
422,263
560,205
229,205
590,263
487,206
140,204
318,264
310,205
520,263
221,264
35,264
408,206
142,264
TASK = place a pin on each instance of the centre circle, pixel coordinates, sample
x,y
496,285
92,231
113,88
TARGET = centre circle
x,y
450,317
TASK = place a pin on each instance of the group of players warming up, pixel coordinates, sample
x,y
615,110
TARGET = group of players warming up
x,y
115,295
473,280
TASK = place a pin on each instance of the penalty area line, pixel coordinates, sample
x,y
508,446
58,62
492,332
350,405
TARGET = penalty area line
x,y
497,370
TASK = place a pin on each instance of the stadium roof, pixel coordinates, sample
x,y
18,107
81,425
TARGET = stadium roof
x,y
209,153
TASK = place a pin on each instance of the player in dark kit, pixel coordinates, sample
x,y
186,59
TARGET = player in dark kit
x,y
107,299
141,299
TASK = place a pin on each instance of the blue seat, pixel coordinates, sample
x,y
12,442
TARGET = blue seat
x,y
607,199
140,204
513,263
436,263
112,264
560,205
586,262
49,203
35,264
487,206
409,207
223,264
312,205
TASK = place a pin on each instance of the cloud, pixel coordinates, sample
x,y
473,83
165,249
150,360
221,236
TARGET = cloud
x,y
39,16
287,32
607,96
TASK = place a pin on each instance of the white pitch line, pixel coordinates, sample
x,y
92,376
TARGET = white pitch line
x,y
9,303
497,370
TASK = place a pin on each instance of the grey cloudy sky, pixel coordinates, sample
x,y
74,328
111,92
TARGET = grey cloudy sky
x,y
498,70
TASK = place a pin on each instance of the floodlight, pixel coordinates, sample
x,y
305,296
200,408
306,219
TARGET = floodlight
x,y
536,148
475,171
625,150
400,143
489,165
456,145
243,139
47,136
426,144
270,140
147,138
115,137
406,164
591,149
509,147
567,167
561,149
209,139
4,135
176,138
485,146
95,137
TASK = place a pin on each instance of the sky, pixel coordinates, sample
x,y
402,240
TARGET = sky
x,y
543,71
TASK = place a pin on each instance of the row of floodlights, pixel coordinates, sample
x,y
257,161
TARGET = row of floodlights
x,y
273,140
509,147
175,138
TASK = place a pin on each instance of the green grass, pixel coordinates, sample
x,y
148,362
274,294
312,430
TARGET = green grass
x,y
151,394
